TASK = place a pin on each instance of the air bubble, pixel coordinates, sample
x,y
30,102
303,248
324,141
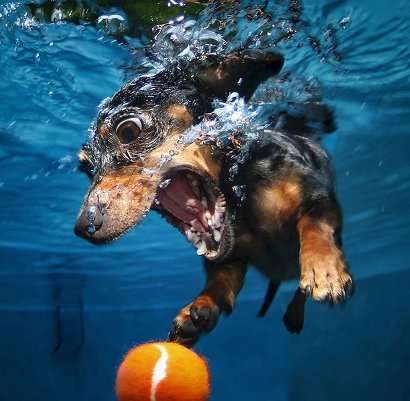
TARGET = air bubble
x,y
239,192
164,183
164,159
147,171
91,229
91,213
233,126
345,22
112,24
57,15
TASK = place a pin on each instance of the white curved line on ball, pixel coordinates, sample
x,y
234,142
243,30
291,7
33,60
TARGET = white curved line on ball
x,y
159,372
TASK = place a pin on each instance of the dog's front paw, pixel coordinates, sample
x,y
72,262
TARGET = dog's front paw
x,y
324,274
199,316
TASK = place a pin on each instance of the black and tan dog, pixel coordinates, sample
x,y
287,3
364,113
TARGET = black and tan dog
x,y
289,223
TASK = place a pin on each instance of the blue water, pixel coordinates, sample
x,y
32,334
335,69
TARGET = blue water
x,y
70,310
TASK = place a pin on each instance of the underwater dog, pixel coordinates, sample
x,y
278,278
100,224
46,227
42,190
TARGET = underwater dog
x,y
287,225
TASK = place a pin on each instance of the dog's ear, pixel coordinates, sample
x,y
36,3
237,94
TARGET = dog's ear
x,y
310,119
240,72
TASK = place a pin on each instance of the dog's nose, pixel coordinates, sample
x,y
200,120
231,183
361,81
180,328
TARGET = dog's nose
x,y
88,222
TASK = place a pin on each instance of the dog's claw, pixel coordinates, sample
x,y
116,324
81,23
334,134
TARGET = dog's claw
x,y
340,298
308,291
188,328
186,334
349,287
198,315
324,274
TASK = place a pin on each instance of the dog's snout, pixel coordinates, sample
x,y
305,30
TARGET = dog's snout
x,y
89,222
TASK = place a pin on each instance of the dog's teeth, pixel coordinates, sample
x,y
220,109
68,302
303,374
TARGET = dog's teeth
x,y
202,250
218,219
191,236
217,235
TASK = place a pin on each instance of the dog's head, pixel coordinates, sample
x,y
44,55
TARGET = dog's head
x,y
136,161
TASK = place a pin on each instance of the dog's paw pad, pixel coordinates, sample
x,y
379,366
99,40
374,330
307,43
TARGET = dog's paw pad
x,y
205,317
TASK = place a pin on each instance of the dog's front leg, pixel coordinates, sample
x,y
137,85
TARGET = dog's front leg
x,y
324,273
224,281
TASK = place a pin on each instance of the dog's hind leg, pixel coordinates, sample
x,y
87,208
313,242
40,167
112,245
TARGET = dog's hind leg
x,y
295,312
224,281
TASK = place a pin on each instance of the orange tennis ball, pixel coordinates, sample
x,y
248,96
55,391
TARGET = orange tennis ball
x,y
162,371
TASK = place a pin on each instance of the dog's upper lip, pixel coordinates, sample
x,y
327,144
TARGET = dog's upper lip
x,y
203,174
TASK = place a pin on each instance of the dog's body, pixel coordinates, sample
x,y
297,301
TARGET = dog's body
x,y
288,224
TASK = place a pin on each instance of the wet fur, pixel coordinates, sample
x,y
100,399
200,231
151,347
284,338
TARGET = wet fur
x,y
289,223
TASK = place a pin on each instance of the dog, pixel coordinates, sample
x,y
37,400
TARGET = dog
x,y
289,223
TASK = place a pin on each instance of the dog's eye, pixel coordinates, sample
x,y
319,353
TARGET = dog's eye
x,y
129,130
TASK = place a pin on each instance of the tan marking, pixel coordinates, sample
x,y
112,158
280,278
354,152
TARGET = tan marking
x,y
82,156
130,179
181,114
277,203
202,157
103,131
196,155
235,142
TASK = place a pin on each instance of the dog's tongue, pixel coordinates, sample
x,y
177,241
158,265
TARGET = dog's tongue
x,y
177,197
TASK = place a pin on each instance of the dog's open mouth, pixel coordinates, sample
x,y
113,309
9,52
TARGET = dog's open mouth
x,y
192,203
